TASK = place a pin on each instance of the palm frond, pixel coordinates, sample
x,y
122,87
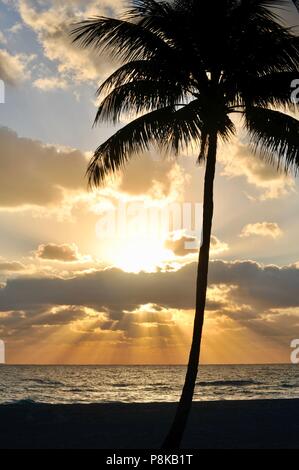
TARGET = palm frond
x,y
226,128
130,140
256,43
252,10
236,57
185,127
274,135
141,9
144,70
272,90
124,40
166,20
139,97
172,129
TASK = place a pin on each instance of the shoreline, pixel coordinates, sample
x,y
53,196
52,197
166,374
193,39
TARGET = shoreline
x,y
252,424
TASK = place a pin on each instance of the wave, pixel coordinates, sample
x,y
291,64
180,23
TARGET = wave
x,y
123,385
79,390
154,387
290,385
47,382
228,383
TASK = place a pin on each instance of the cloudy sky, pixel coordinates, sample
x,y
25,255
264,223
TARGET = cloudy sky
x,y
99,277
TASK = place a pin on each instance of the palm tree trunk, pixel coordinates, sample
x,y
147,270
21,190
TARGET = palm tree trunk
x,y
174,438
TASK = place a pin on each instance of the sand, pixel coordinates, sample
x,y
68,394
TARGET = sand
x,y
272,424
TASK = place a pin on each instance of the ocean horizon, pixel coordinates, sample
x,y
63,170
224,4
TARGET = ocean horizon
x,y
85,384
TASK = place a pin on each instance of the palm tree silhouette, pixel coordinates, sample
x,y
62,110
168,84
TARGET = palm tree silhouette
x,y
187,67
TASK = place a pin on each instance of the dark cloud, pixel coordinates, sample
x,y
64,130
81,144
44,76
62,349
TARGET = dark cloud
x,y
262,287
277,325
35,174
112,288
11,266
187,245
65,253
182,246
42,317
266,287
262,294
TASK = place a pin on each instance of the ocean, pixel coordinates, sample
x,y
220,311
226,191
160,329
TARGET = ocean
x,y
144,384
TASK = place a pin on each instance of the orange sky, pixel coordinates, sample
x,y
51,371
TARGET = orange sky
x,y
99,277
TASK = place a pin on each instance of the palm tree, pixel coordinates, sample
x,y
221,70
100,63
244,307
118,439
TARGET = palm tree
x,y
186,67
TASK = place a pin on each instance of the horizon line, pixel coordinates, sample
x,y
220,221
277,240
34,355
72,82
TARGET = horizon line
x,y
151,365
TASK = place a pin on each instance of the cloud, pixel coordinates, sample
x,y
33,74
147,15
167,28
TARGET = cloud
x,y
50,83
145,321
94,290
11,266
43,173
3,39
238,160
64,253
54,316
243,295
261,287
51,180
51,21
268,287
184,245
264,229
16,28
13,68
147,175
149,314
218,246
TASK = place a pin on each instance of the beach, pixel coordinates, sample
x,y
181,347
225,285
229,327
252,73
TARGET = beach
x,y
255,424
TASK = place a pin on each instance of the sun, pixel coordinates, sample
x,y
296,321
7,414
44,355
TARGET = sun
x,y
140,254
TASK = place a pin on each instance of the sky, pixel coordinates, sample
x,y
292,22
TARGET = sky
x,y
108,276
